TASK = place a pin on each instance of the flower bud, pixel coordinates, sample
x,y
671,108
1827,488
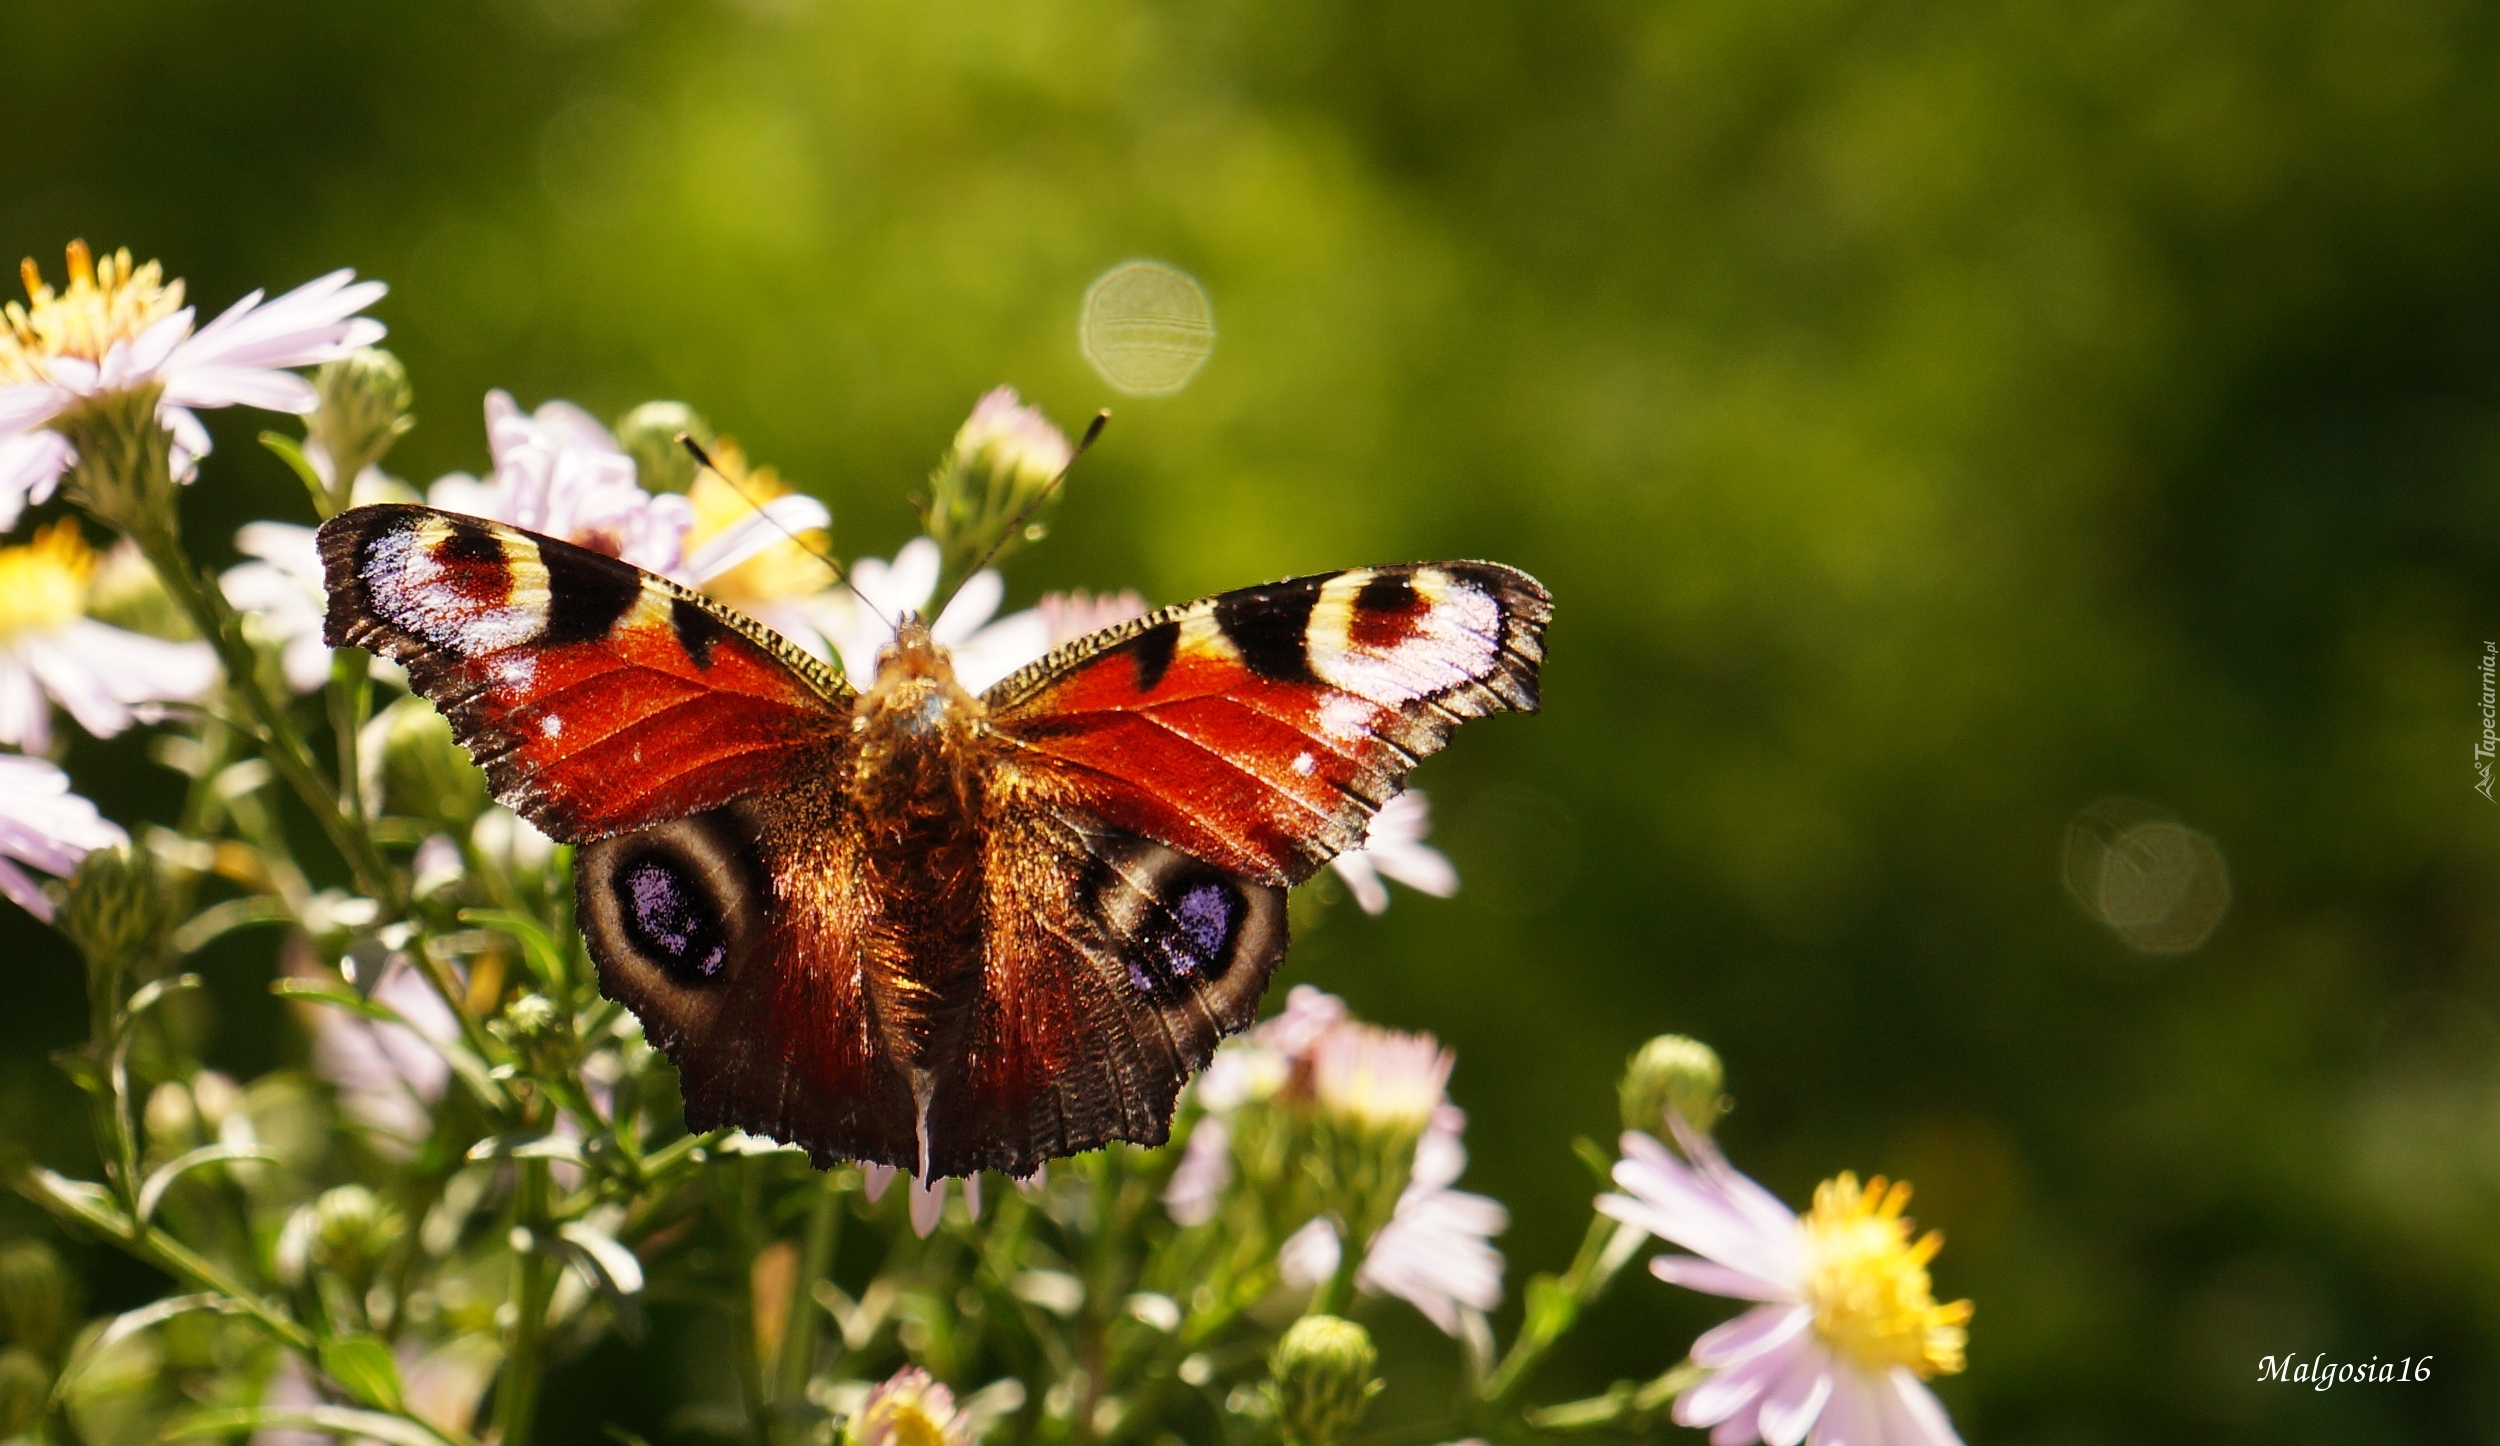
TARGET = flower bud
x,y
1322,1379
351,1228
1673,1073
173,1125
649,435
25,1391
1005,455
34,1296
414,769
118,910
364,409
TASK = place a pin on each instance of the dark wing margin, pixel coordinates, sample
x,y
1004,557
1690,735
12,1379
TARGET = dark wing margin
x,y
1259,729
598,698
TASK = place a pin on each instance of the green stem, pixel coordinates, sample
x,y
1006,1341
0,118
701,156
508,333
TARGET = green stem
x,y
1554,1307
217,622
798,1335
350,697
533,1286
161,1250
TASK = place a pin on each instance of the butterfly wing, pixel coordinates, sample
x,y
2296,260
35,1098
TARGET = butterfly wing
x,y
1259,730
697,757
1154,791
1114,965
597,697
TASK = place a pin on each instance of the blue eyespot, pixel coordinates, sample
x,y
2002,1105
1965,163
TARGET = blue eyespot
x,y
1187,934
671,919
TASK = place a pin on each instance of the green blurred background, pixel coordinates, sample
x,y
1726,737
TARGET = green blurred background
x,y
1930,419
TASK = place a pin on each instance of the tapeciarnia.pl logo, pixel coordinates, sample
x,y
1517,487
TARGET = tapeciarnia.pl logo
x,y
2320,1374
2490,741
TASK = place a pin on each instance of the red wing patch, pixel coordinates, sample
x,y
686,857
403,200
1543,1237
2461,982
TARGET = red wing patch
x,y
598,697
1259,729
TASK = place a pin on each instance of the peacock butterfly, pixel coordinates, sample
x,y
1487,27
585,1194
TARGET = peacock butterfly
x,y
909,925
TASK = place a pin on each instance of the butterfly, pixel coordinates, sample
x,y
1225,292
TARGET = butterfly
x,y
909,925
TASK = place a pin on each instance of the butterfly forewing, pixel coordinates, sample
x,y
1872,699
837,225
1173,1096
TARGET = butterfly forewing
x,y
1258,730
597,697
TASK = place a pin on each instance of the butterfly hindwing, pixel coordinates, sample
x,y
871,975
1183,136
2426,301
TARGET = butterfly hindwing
x,y
736,936
597,697
1114,965
1259,729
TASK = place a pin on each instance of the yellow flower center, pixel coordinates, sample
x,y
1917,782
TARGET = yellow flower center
x,y
1867,1280
731,494
106,301
43,585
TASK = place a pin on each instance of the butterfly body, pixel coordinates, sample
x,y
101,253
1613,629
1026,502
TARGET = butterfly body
x,y
912,924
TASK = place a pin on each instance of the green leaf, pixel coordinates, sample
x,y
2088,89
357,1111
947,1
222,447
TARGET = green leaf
x,y
83,1071
545,960
331,1420
218,919
153,1191
148,994
82,1200
363,1365
332,991
290,450
618,1264
128,1324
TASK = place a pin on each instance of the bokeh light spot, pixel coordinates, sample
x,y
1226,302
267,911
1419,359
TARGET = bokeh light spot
x,y
2157,883
1146,328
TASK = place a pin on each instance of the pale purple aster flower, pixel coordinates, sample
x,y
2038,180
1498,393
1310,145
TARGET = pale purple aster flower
x,y
910,1408
559,472
1379,1078
44,826
984,649
1007,436
1394,845
51,651
1247,1070
282,591
1848,1328
1068,616
928,1198
118,328
1435,1253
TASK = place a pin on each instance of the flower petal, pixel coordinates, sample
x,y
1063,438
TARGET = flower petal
x,y
1790,1406
23,891
1912,1414
1708,1276
1730,1391
1760,1329
1852,1417
233,386
1362,880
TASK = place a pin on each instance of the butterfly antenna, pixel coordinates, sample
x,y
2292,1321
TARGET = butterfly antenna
x,y
1093,429
840,573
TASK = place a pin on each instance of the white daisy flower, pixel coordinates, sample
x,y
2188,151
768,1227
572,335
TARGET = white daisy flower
x,y
51,651
559,472
985,650
117,328
1394,845
1848,1328
44,826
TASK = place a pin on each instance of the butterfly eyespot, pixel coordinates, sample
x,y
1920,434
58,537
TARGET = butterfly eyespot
x,y
671,908
1179,923
671,918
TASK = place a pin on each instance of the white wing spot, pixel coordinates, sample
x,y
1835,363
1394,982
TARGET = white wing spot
x,y
1303,763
